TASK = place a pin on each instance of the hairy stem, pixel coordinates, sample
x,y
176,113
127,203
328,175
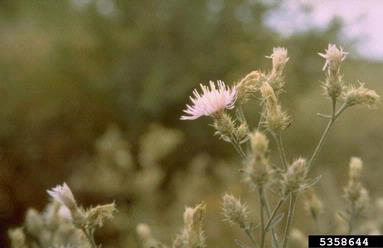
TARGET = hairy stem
x,y
290,215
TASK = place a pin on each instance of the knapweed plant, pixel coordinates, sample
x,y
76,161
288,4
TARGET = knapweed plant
x,y
289,179
277,185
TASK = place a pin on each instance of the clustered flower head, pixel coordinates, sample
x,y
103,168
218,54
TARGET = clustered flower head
x,y
360,95
234,211
212,100
275,119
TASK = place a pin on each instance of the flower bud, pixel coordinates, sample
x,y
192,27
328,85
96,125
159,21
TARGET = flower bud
x,y
234,211
224,126
259,143
275,119
294,178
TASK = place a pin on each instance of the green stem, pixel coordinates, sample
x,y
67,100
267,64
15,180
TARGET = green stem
x,y
275,210
251,237
280,151
352,219
283,149
268,212
334,116
290,215
262,206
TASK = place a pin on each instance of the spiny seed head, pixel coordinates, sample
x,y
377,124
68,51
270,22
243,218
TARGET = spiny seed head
x,y
360,96
234,211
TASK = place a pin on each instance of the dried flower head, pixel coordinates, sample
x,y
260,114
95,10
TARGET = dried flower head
x,y
360,95
212,100
354,189
234,211
275,119
333,56
248,86
97,215
64,195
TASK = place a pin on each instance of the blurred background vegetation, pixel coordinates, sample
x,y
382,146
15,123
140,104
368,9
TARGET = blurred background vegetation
x,y
92,90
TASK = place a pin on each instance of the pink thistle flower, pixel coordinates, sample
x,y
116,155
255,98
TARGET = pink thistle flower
x,y
211,101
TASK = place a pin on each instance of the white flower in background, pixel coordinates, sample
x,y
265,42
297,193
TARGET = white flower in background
x,y
64,195
212,100
334,56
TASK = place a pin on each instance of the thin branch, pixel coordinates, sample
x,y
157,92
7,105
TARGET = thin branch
x,y
290,215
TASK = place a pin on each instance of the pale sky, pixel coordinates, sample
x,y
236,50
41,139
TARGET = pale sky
x,y
363,20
